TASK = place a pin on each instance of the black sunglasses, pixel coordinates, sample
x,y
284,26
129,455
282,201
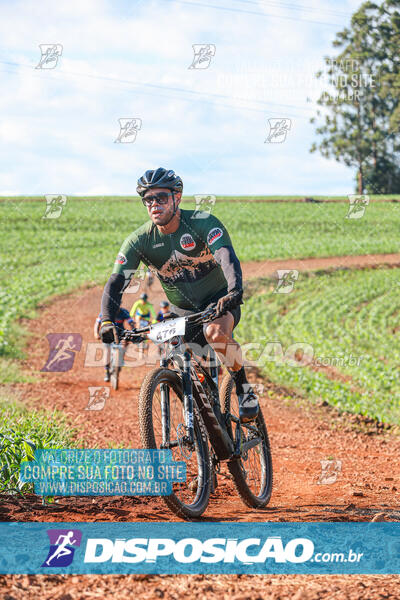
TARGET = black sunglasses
x,y
160,198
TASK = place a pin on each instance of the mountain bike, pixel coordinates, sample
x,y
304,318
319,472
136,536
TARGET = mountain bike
x,y
181,408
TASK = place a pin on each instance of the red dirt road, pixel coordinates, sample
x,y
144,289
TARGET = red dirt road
x,y
368,486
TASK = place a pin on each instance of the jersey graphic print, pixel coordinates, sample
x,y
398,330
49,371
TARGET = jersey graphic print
x,y
121,259
214,235
180,267
187,242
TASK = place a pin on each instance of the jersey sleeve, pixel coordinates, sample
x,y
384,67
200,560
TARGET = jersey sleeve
x,y
129,256
215,234
219,242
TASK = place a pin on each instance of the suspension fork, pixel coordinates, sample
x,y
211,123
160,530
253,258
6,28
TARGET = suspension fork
x,y
188,397
213,369
165,410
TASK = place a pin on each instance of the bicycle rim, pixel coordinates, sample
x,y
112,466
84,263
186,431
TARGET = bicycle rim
x,y
190,498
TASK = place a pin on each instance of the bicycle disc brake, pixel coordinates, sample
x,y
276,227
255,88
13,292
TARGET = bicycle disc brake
x,y
186,451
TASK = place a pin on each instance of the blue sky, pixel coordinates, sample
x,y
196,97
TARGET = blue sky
x,y
129,59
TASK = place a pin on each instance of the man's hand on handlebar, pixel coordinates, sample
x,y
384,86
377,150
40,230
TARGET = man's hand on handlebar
x,y
228,302
132,336
108,332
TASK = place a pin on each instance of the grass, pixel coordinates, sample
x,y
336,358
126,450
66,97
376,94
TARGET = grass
x,y
274,198
23,431
348,322
46,257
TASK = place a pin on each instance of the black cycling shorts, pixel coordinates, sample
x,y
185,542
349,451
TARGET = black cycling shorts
x,y
194,333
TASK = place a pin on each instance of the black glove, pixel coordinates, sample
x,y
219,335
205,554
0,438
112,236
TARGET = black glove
x,y
108,332
228,302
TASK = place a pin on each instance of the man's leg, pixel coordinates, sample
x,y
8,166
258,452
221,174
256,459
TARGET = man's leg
x,y
218,334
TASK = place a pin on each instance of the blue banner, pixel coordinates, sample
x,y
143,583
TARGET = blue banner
x,y
169,548
111,472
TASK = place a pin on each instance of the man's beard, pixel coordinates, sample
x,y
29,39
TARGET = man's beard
x,y
164,218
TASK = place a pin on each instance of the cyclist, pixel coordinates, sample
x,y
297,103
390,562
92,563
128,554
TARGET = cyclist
x,y
142,310
122,319
197,266
164,311
149,279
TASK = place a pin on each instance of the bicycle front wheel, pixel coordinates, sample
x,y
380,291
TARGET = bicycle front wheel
x,y
162,425
252,472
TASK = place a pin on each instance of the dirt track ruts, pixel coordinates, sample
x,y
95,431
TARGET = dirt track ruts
x,y
301,436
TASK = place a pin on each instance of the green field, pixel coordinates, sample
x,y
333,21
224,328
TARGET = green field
x,y
351,321
43,257
338,313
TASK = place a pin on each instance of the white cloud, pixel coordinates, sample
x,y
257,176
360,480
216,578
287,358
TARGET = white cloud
x,y
58,126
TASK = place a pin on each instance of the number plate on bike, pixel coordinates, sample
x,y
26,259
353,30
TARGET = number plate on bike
x,y
166,330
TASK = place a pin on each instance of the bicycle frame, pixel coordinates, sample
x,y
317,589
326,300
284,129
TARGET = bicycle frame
x,y
193,388
201,393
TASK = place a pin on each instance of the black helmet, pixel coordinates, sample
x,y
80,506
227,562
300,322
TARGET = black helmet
x,y
164,178
164,304
143,297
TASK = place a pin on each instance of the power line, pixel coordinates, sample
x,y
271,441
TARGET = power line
x,y
160,88
277,4
250,12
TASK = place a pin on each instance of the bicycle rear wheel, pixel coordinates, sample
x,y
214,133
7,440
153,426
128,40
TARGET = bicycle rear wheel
x,y
161,402
252,472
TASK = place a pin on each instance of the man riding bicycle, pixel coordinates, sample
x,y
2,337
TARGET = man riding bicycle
x,y
142,310
164,311
197,266
122,319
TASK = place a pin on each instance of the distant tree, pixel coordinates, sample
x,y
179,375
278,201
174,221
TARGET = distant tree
x,y
361,108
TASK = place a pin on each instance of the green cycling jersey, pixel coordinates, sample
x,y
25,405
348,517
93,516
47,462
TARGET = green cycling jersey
x,y
184,260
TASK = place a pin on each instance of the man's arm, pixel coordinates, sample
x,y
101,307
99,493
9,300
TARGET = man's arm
x,y
231,268
220,245
127,261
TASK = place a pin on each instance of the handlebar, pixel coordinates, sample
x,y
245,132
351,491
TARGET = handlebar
x,y
204,316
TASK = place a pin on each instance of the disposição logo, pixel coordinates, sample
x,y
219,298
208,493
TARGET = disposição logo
x,y
63,543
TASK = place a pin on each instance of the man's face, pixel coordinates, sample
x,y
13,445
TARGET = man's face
x,y
161,214
165,309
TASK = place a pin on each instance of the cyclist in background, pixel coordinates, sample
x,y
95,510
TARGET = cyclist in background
x,y
149,279
164,311
142,310
122,320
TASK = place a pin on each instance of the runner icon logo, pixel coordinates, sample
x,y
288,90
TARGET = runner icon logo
x,y
128,129
330,470
203,54
357,206
54,205
50,53
278,130
63,543
133,279
286,280
97,397
63,347
204,205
